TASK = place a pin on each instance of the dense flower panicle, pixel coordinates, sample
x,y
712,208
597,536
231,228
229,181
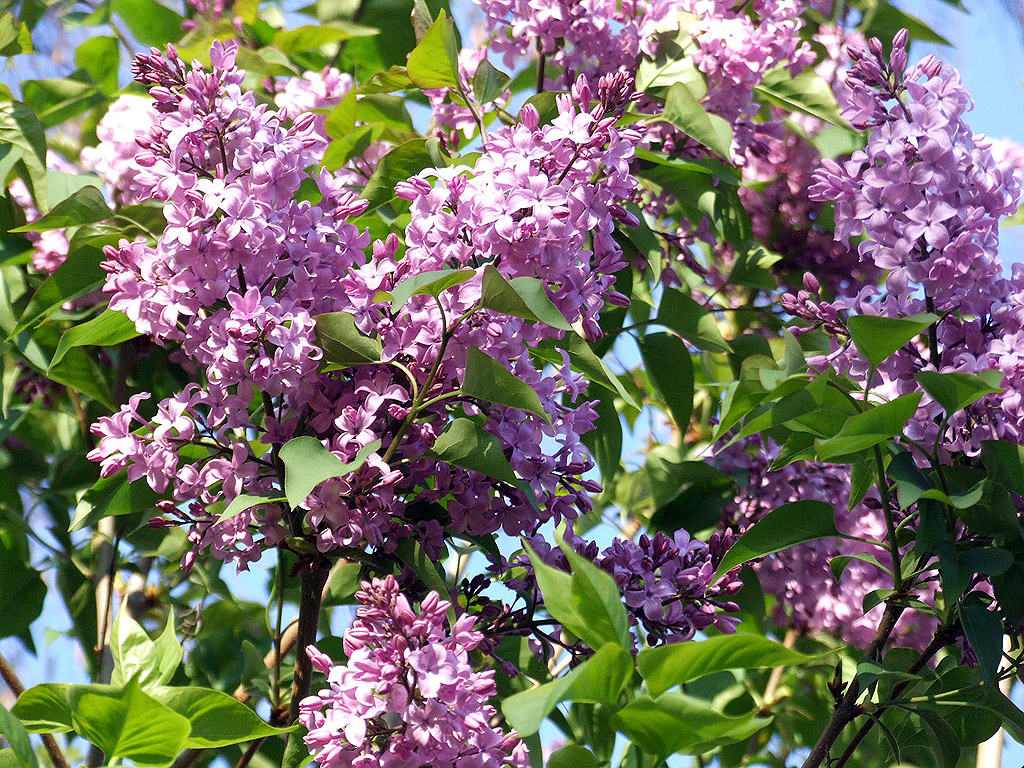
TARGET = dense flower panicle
x,y
128,119
925,191
242,269
666,582
407,694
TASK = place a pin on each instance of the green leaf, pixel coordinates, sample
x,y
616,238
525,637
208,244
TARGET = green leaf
x,y
244,501
308,38
16,735
1004,462
20,127
598,600
80,273
523,297
150,22
870,428
215,718
783,527
572,756
877,337
944,741
466,444
343,343
22,590
955,391
44,708
432,283
684,110
605,440
112,496
106,330
487,379
674,722
669,665
434,62
600,679
307,464
583,359
670,369
883,20
582,601
100,57
138,658
400,164
680,313
489,83
984,631
807,93
128,724
15,36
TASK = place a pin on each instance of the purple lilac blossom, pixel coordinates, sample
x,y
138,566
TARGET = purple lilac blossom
x,y
242,268
407,695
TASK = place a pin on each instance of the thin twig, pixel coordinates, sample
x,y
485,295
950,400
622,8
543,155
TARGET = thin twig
x,y
10,677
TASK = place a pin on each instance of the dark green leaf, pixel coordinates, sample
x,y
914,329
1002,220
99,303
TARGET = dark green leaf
x,y
523,297
944,741
466,444
343,343
488,83
984,631
106,330
401,163
487,379
112,496
1004,462
955,391
878,337
682,314
783,527
22,590
670,368
307,464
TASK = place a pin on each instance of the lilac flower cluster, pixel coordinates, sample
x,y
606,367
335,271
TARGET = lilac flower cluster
x,y
128,119
925,192
407,694
666,582
242,269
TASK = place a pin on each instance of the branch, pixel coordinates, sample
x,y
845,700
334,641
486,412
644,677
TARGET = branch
x,y
312,581
846,709
940,641
14,683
